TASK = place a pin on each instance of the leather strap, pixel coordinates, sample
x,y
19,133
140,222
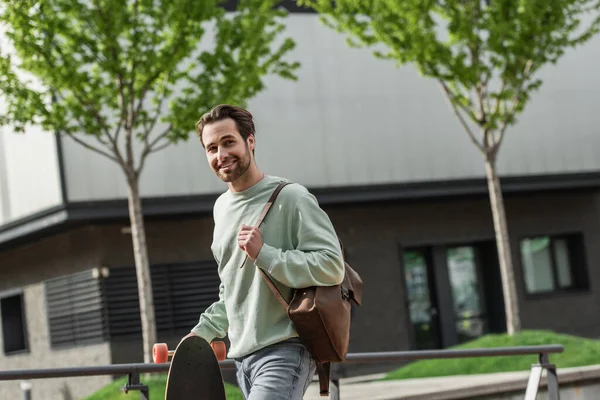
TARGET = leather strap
x,y
323,370
266,209
262,216
270,202
274,289
259,222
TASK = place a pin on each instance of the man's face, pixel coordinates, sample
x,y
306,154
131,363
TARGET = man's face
x,y
227,153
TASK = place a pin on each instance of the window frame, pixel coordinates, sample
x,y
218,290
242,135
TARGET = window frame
x,y
27,348
577,264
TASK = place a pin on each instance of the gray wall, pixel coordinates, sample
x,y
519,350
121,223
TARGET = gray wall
x,y
356,119
40,355
29,174
352,119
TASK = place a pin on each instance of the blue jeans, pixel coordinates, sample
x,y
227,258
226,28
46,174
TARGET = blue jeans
x,y
282,371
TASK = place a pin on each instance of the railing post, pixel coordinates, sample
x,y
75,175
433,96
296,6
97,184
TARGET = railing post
x,y
26,388
536,375
334,388
534,382
134,383
551,377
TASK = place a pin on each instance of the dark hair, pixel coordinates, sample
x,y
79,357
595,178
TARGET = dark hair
x,y
243,119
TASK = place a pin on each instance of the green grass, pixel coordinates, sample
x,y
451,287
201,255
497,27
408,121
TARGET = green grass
x,y
578,352
156,386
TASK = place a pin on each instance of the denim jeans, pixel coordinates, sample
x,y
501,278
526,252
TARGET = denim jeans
x,y
282,371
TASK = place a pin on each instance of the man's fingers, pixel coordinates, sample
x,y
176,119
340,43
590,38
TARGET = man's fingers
x,y
244,236
246,233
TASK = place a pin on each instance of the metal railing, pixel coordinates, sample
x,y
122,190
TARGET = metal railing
x,y
133,371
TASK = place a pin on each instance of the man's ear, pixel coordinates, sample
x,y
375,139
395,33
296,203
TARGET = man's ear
x,y
251,142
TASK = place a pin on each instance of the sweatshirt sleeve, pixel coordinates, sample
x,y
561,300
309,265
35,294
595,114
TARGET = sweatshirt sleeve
x,y
213,322
317,258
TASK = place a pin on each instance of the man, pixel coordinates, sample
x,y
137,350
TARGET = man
x,y
296,245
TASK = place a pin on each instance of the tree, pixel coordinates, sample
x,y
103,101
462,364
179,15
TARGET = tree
x,y
100,71
485,55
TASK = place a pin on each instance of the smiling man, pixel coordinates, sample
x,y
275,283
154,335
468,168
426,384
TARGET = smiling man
x,y
296,246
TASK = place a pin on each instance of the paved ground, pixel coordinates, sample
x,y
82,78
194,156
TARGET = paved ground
x,y
444,388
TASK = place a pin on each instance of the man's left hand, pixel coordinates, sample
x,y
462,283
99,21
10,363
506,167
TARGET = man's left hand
x,y
250,240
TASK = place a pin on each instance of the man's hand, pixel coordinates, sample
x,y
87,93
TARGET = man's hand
x,y
250,240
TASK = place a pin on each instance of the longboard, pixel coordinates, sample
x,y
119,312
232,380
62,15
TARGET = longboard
x,y
194,372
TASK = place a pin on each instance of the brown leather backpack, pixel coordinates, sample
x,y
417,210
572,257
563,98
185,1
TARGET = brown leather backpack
x,y
321,314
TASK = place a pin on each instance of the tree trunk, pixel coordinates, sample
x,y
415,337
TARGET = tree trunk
x,y
142,266
513,319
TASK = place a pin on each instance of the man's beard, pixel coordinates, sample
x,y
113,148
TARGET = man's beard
x,y
241,166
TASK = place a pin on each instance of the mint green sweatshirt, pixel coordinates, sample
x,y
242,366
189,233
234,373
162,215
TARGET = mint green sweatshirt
x,y
300,249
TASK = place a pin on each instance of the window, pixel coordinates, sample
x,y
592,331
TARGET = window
x,y
75,308
13,324
467,292
553,263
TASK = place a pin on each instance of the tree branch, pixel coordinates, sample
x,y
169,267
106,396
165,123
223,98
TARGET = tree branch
x,y
120,79
499,99
114,148
159,148
92,148
460,117
480,87
79,96
513,109
152,147
149,128
155,76
482,117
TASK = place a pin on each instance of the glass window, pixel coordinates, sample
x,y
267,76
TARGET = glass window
x,y
561,253
465,286
419,291
13,324
537,264
547,264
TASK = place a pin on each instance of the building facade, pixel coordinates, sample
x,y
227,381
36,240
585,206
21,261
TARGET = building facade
x,y
387,160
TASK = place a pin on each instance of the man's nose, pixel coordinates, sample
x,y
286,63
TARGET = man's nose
x,y
222,154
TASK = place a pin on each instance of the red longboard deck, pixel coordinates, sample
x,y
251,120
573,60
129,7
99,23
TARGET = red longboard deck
x,y
194,373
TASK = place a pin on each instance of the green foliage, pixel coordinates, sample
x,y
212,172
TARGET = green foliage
x,y
578,352
100,67
484,52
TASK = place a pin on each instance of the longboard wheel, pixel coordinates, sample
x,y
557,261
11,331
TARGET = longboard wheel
x,y
220,350
160,353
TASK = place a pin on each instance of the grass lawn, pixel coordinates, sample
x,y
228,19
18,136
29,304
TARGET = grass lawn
x,y
577,352
156,386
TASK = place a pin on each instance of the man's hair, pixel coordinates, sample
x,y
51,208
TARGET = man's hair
x,y
243,119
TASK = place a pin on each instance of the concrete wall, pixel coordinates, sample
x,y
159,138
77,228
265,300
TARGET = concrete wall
x,y
29,173
360,120
40,355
